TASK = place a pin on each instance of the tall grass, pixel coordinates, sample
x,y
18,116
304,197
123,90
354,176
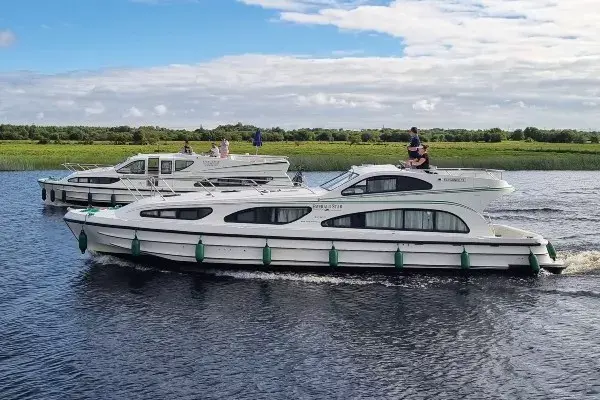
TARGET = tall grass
x,y
318,156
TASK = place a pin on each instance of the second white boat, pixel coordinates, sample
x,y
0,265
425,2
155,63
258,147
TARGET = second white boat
x,y
146,175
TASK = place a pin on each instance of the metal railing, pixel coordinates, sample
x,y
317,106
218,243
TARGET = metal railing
x,y
261,188
493,173
154,189
74,167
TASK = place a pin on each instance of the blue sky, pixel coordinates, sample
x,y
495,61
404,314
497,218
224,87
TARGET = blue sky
x,y
301,63
67,35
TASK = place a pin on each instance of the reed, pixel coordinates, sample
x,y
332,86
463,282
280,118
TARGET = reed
x,y
322,156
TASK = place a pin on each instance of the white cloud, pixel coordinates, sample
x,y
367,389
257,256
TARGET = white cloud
x,y
300,5
95,109
160,109
544,59
7,38
345,53
133,112
39,115
521,104
425,104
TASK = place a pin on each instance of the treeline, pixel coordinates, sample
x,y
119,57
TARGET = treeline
x,y
241,132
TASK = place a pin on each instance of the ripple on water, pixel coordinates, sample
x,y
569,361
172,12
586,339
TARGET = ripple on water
x,y
98,327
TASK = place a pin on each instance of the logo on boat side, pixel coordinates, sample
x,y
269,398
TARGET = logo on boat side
x,y
327,207
210,163
454,179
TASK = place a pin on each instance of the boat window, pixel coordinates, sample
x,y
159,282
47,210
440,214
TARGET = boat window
x,y
409,220
268,215
153,166
388,219
446,222
97,180
135,167
418,220
166,166
406,183
178,213
383,184
239,181
180,165
339,180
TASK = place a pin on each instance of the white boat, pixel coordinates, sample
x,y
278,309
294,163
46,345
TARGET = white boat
x,y
372,216
146,175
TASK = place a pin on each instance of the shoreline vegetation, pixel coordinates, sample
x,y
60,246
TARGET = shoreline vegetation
x,y
31,147
21,155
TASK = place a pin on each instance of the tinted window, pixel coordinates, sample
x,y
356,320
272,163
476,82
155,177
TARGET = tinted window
x,y
153,166
97,180
268,215
339,180
411,220
446,222
135,167
418,220
166,167
410,183
382,184
180,165
178,213
242,181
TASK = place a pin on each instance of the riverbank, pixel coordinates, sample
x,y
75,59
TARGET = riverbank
x,y
321,156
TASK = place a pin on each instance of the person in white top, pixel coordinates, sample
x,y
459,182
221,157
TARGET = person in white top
x,y
224,148
214,151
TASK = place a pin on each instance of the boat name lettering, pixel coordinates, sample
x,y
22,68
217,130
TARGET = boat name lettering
x,y
327,206
210,163
454,179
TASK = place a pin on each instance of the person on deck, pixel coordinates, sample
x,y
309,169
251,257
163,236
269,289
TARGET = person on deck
x,y
415,142
186,149
224,148
422,161
214,151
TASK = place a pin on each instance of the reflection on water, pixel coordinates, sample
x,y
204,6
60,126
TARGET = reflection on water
x,y
76,326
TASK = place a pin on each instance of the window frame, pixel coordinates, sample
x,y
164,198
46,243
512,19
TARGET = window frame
x,y
363,217
333,183
86,179
119,171
162,172
189,163
230,217
207,210
399,188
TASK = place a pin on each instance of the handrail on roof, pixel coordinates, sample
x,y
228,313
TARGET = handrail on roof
x,y
74,167
253,184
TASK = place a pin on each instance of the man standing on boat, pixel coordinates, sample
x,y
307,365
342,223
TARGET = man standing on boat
x,y
415,142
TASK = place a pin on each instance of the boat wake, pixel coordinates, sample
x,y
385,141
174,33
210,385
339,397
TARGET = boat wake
x,y
581,262
577,263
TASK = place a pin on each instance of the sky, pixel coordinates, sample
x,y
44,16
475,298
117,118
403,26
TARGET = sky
x,y
301,63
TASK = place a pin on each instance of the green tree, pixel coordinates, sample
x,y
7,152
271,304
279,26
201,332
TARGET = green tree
x,y
354,138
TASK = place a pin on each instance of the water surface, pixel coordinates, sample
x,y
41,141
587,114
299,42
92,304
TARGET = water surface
x,y
79,327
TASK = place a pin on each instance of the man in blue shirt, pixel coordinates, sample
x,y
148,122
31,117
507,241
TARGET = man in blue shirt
x,y
415,142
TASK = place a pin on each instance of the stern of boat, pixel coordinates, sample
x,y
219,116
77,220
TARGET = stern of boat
x,y
541,250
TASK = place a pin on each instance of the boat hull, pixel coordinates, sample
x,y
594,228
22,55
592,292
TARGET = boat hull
x,y
311,252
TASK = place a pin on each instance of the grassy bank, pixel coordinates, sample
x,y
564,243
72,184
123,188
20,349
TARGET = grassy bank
x,y
322,156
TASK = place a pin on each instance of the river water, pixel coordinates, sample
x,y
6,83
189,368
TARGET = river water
x,y
79,327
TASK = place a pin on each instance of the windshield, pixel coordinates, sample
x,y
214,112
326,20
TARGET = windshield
x,y
339,180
